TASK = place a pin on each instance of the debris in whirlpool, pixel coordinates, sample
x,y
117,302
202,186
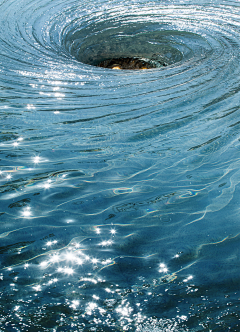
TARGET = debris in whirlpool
x,y
132,63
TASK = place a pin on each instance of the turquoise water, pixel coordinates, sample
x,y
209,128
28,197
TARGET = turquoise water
x,y
119,204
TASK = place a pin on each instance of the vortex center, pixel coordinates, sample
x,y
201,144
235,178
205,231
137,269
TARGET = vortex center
x,y
131,63
130,47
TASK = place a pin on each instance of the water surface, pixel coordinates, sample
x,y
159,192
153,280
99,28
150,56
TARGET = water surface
x,y
119,189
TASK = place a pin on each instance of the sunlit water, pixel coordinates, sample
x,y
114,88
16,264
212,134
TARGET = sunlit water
x,y
119,189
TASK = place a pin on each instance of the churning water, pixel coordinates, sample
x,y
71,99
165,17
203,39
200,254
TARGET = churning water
x,y
120,190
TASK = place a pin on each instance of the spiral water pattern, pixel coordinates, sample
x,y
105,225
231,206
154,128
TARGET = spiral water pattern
x,y
119,189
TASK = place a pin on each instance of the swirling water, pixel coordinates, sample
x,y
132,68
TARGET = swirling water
x,y
119,189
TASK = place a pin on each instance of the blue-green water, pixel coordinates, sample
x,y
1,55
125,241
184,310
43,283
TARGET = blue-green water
x,y
120,202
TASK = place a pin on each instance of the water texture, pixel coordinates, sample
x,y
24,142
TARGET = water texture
x,y
120,190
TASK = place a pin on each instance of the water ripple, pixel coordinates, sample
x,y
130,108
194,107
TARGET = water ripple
x,y
119,188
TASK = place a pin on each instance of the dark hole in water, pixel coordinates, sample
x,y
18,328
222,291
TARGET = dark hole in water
x,y
131,63
131,46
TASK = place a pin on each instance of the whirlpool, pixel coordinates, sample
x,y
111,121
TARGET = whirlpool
x,y
119,165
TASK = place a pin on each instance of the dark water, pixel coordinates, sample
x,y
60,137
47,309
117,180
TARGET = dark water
x,y
120,199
